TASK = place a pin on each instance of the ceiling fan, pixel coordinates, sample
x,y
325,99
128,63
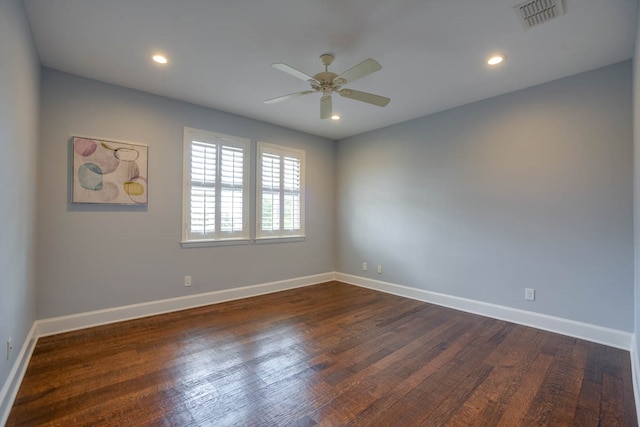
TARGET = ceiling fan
x,y
327,83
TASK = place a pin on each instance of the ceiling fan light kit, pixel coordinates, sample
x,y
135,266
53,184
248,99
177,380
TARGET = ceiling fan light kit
x,y
327,82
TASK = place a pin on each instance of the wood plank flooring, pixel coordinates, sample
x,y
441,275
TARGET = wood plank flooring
x,y
329,354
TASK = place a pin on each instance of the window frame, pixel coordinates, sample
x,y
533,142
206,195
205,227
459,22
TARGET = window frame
x,y
218,237
280,235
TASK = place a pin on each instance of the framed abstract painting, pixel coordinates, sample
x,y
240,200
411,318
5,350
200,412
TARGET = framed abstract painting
x,y
109,172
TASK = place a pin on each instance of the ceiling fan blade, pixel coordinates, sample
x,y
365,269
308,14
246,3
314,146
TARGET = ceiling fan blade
x,y
291,95
380,101
294,72
325,107
364,68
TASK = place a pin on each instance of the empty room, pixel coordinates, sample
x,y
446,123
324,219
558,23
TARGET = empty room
x,y
312,212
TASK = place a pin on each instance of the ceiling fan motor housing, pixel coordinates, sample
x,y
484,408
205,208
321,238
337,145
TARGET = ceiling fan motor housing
x,y
326,82
326,78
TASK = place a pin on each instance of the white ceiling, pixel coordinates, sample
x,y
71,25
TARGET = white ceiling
x,y
432,52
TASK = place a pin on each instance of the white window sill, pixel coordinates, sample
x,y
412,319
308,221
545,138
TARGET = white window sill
x,y
207,243
283,239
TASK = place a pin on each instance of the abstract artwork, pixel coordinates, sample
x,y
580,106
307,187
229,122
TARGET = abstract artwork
x,y
109,172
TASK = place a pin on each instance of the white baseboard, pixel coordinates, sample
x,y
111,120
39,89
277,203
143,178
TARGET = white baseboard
x,y
635,373
74,322
12,384
572,328
586,331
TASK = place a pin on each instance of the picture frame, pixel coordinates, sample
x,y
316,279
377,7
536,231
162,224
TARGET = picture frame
x,y
109,172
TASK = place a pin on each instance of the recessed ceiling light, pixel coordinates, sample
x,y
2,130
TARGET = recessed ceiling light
x,y
496,59
160,59
335,117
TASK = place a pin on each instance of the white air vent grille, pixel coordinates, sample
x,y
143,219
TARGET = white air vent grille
x,y
534,12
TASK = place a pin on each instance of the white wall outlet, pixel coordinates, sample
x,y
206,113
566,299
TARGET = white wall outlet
x,y
9,348
187,280
364,266
379,269
529,294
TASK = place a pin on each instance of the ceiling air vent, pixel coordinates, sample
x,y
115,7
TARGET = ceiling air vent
x,y
534,12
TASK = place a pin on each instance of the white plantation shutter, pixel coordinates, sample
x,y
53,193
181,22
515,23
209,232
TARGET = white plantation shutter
x,y
291,184
280,191
216,187
270,212
203,189
232,189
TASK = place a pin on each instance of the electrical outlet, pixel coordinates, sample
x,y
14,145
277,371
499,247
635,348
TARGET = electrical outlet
x,y
9,348
187,280
529,294
379,269
364,266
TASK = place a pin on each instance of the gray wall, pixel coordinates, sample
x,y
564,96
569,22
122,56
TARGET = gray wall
x,y
529,189
19,74
98,257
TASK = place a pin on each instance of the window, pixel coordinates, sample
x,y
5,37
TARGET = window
x,y
280,192
216,188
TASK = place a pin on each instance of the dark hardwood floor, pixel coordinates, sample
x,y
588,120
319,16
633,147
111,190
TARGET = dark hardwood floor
x,y
329,354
